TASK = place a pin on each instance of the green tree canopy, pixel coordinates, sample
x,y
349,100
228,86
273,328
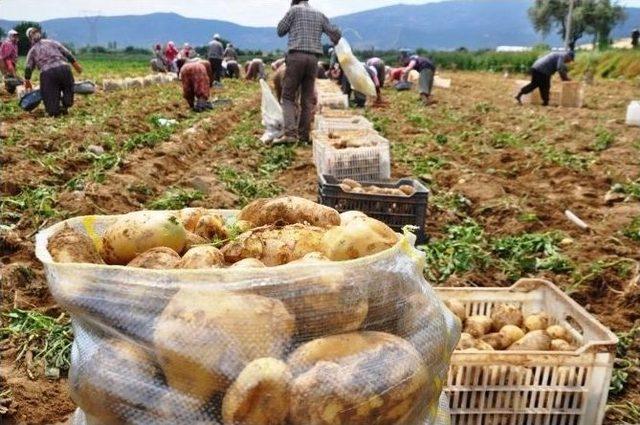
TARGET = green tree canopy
x,y
23,43
594,17
3,33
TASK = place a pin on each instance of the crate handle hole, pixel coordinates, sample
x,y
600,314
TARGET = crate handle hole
x,y
573,323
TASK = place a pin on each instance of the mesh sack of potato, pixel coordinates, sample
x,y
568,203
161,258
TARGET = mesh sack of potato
x,y
283,313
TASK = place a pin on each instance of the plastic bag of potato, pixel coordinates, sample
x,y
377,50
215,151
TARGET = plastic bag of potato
x,y
283,313
354,69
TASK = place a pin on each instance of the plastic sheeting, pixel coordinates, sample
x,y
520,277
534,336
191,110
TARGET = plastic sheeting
x,y
358,342
354,69
272,116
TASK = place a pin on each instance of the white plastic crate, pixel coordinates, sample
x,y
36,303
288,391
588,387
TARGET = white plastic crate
x,y
532,387
571,94
633,113
327,87
329,124
363,164
335,101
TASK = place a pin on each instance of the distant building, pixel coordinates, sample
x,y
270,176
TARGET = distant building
x,y
513,49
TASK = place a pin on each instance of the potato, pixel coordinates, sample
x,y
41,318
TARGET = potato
x,y
359,238
289,210
211,226
325,303
359,379
260,395
71,246
457,308
351,183
478,326
506,314
202,257
407,190
156,258
497,341
138,232
418,319
537,322
466,342
533,341
345,188
347,217
483,346
512,333
116,382
559,332
248,263
275,246
204,338
190,217
561,345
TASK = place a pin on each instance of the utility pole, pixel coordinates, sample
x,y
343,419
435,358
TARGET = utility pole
x,y
569,24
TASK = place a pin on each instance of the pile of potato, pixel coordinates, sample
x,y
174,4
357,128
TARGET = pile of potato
x,y
315,342
508,329
352,186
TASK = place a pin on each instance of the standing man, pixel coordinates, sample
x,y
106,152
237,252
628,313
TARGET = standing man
x,y
216,53
9,60
56,78
542,71
230,53
635,38
427,70
305,27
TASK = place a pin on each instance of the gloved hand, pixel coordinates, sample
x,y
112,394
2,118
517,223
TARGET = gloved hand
x,y
77,67
28,85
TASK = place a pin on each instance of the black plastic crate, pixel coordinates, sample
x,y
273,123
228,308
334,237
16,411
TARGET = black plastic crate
x,y
395,211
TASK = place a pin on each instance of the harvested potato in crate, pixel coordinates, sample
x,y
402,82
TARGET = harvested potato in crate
x,y
359,155
560,370
398,204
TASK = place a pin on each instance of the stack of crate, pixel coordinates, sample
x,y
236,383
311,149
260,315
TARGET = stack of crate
x,y
347,146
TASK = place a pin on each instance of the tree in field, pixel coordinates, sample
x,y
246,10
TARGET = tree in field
x,y
600,18
3,33
594,17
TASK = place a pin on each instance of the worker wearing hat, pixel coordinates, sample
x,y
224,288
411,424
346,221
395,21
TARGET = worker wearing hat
x,y
216,54
8,61
542,71
56,78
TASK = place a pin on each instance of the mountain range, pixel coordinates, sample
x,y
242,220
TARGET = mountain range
x,y
445,25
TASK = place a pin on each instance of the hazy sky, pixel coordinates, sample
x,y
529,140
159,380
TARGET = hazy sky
x,y
246,12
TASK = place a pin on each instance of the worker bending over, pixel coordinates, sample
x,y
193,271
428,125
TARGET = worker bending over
x,y
542,71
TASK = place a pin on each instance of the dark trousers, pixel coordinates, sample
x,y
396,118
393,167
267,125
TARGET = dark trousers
x,y
233,70
300,77
359,99
538,81
56,88
216,67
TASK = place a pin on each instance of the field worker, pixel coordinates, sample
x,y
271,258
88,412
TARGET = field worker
x,y
427,70
635,38
216,53
323,70
542,71
56,78
394,75
171,54
159,62
380,67
230,53
187,52
9,60
196,76
277,64
278,81
254,70
233,69
304,25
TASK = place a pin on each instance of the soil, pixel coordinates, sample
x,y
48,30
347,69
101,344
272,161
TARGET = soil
x,y
501,182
